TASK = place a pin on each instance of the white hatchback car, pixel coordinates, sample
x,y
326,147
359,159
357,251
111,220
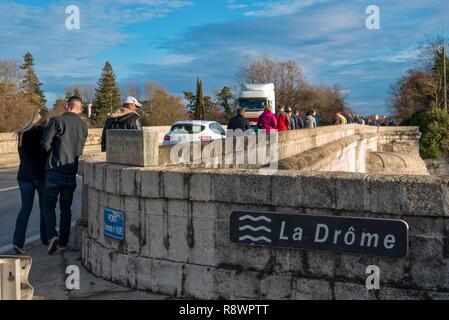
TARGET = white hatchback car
x,y
193,131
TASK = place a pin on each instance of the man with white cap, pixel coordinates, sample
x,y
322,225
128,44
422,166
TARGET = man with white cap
x,y
125,118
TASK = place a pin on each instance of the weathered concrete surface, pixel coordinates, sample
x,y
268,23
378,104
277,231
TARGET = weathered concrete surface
x,y
177,233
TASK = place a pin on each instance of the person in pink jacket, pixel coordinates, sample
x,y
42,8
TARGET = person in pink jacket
x,y
267,120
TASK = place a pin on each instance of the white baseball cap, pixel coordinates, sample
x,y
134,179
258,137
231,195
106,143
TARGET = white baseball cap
x,y
133,101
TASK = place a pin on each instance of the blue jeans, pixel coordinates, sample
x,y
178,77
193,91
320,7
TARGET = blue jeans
x,y
28,189
62,186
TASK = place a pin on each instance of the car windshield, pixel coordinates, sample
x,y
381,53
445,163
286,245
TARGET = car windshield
x,y
256,104
187,128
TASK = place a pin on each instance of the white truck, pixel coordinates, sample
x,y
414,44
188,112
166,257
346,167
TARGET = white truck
x,y
254,98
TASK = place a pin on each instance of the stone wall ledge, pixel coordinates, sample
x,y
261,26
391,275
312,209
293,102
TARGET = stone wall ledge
x,y
389,194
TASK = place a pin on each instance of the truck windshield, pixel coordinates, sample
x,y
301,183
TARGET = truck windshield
x,y
256,104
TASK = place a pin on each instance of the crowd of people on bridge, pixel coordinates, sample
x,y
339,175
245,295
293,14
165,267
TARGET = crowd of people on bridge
x,y
287,118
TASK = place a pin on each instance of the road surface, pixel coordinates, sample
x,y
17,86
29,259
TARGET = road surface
x,y
10,206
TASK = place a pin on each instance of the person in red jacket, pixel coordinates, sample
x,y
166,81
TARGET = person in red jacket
x,y
283,120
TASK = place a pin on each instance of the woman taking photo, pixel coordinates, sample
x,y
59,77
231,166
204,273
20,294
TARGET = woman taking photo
x,y
31,175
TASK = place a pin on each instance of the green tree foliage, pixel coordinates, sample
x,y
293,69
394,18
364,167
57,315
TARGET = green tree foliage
x,y
107,96
434,126
422,88
225,99
30,83
190,97
200,109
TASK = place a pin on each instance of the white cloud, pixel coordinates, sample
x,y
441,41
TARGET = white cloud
x,y
281,7
233,5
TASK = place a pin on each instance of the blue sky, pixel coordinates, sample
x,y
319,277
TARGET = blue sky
x,y
174,41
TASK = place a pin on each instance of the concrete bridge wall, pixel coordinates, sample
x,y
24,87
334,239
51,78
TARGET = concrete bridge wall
x,y
8,145
177,233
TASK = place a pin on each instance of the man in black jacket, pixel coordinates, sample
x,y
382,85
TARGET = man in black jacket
x,y
125,118
64,139
239,121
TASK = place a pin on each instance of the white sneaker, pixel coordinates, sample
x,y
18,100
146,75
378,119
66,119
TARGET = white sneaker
x,y
53,245
19,250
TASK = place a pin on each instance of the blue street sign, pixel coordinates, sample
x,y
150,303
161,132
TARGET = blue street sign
x,y
114,224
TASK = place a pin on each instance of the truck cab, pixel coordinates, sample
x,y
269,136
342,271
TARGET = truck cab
x,y
254,98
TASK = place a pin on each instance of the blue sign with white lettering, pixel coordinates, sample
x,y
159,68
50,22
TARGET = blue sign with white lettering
x,y
114,224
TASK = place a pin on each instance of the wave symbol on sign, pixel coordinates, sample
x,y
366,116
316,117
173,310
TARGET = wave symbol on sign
x,y
255,229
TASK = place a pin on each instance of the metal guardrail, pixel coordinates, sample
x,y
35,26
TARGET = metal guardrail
x,y
14,272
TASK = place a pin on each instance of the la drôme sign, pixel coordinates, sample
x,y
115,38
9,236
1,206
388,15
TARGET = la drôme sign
x,y
364,236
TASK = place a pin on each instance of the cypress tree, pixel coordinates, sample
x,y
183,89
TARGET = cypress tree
x,y
107,96
199,103
30,83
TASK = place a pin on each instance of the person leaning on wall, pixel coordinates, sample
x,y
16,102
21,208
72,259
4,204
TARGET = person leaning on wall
x,y
126,117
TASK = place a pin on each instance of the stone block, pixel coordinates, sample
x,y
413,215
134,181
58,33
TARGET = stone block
x,y
432,204
383,196
276,287
350,193
201,187
202,249
166,278
159,238
144,274
175,185
320,264
286,191
318,192
254,189
133,232
226,188
197,282
99,179
289,261
232,285
133,147
428,268
204,210
112,179
401,294
351,291
123,269
150,183
128,183
312,289
425,226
